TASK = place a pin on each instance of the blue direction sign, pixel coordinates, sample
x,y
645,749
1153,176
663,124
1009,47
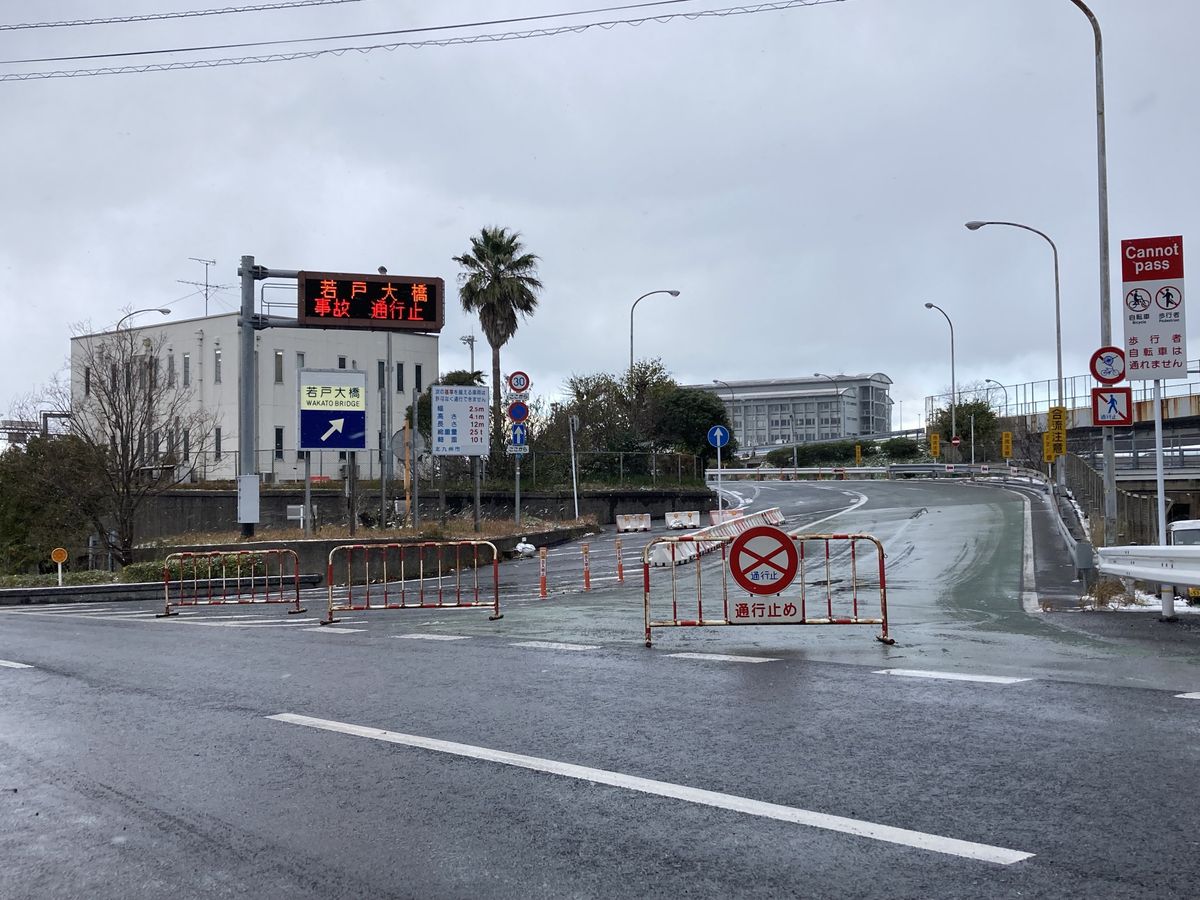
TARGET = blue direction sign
x,y
718,435
333,409
518,435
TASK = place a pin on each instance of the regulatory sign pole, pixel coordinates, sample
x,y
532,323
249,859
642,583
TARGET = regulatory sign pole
x,y
247,408
572,424
518,488
416,472
1166,591
307,523
720,496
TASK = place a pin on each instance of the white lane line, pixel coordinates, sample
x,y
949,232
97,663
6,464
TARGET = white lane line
x,y
862,498
1192,695
555,645
721,657
858,827
951,676
9,664
332,629
433,637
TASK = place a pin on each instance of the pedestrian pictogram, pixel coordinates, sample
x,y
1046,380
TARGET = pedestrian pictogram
x,y
1168,297
1138,300
1112,406
763,560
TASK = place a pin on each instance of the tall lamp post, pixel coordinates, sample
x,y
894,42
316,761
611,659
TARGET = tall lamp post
x,y
837,392
1002,387
631,309
130,315
1060,472
1110,474
732,403
953,382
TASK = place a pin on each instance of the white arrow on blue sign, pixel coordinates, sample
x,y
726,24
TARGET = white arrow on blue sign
x,y
518,435
718,435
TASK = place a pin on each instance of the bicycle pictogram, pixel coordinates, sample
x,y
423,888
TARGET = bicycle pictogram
x,y
1138,300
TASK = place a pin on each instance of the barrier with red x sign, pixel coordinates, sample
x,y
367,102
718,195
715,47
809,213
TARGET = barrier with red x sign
x,y
766,576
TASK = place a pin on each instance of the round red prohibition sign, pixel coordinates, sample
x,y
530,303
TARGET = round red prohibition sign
x,y
763,560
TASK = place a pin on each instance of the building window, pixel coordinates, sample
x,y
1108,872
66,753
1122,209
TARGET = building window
x,y
279,367
87,381
299,359
399,378
187,369
279,442
217,366
417,377
381,368
341,362
187,449
217,442
170,370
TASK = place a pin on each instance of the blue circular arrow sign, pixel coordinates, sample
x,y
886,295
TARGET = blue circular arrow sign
x,y
518,411
718,435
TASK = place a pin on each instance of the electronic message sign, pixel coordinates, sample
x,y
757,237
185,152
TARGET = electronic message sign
x,y
384,302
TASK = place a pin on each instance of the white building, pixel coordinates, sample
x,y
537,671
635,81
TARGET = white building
x,y
779,411
202,356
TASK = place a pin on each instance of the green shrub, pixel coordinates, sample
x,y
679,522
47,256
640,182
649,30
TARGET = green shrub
x,y
201,567
51,580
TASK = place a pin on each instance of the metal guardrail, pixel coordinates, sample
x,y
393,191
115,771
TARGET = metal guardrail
x,y
1165,565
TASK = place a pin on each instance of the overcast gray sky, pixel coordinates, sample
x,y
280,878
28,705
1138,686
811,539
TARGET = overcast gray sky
x,y
801,176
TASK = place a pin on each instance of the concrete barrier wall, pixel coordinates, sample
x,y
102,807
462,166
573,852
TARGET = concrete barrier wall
x,y
670,553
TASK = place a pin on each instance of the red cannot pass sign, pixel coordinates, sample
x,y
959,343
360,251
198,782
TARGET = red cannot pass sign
x,y
1152,259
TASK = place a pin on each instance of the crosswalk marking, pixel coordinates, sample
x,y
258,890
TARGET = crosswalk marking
x,y
555,645
434,637
951,676
333,629
722,657
9,664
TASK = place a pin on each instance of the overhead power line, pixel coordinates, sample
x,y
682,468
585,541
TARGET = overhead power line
x,y
342,37
184,14
493,37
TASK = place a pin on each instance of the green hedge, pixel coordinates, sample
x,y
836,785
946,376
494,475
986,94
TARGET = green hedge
x,y
196,567
51,580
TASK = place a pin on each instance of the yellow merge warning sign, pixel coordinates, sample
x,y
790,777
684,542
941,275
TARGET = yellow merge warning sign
x,y
324,396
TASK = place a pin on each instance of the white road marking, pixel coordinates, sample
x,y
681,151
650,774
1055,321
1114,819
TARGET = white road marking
x,y
555,645
9,664
333,629
1192,695
266,623
434,637
721,657
951,676
862,498
857,827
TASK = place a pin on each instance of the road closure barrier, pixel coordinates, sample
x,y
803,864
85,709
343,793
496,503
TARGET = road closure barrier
x,y
721,516
634,522
243,576
689,519
425,575
702,541
766,576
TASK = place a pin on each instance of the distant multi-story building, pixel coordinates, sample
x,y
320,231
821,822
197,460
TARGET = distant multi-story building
x,y
793,410
201,357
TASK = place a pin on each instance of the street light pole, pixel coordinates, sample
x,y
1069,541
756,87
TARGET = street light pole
x,y
631,309
837,392
953,383
1109,441
1060,472
732,403
1002,387
130,315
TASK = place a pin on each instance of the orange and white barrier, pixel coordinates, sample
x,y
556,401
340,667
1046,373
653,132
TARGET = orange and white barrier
x,y
587,566
542,573
244,576
412,576
708,539
634,522
721,516
620,564
689,519
822,583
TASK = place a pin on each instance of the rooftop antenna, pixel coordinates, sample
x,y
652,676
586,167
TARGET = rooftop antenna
x,y
206,263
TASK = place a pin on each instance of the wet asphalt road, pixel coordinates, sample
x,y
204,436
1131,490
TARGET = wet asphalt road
x,y
138,759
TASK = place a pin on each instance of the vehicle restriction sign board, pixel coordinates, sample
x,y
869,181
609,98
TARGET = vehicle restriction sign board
x,y
763,560
1152,308
460,420
518,382
333,409
1112,406
1108,365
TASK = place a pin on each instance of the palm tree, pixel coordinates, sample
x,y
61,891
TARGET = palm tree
x,y
498,280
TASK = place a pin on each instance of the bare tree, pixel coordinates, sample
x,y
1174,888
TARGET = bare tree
x,y
139,426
